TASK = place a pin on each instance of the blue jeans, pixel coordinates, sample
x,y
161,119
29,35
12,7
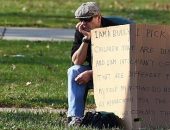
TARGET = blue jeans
x,y
77,93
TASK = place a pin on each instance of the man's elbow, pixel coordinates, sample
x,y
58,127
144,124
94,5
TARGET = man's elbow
x,y
77,62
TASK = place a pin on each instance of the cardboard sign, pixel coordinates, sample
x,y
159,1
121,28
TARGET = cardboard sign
x,y
131,73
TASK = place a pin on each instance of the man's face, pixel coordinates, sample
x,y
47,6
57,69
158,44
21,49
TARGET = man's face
x,y
91,23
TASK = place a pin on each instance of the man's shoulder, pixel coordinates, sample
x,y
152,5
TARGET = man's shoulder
x,y
115,20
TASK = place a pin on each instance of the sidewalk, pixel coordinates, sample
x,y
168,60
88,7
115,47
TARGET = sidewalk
x,y
38,110
36,34
33,110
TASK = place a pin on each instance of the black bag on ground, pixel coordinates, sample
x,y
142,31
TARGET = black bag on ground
x,y
101,120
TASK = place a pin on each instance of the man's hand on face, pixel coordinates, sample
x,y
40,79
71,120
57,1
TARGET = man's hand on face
x,y
84,77
84,30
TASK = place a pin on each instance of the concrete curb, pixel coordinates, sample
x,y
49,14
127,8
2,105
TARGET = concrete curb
x,y
37,110
33,110
36,34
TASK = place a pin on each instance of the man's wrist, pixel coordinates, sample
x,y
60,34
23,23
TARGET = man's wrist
x,y
91,74
85,40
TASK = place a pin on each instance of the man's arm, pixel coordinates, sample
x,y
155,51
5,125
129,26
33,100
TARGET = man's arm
x,y
80,54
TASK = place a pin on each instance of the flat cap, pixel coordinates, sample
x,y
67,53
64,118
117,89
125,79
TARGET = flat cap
x,y
87,10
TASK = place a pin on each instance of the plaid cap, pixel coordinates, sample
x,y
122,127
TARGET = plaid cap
x,y
87,10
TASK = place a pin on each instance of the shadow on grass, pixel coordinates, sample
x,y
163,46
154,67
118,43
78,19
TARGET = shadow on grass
x,y
35,15
66,19
37,19
140,13
152,16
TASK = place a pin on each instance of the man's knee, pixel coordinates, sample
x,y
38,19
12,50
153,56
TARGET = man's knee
x,y
73,69
77,69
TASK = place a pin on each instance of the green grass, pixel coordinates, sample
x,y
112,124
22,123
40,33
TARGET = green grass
x,y
60,13
34,74
41,121
31,121
36,121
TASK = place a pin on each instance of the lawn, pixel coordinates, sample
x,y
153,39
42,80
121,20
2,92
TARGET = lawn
x,y
60,13
34,74
41,121
35,121
31,121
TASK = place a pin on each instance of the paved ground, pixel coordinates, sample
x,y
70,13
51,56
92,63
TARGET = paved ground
x,y
34,110
34,34
37,110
